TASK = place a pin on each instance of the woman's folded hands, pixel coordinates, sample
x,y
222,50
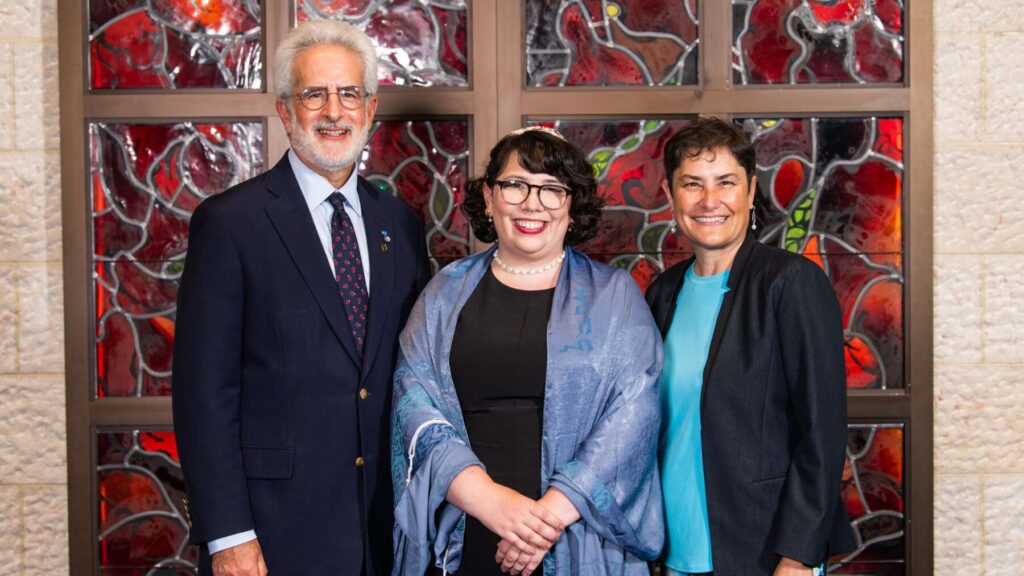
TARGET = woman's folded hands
x,y
528,528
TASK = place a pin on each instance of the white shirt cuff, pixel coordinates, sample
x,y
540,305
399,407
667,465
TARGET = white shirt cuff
x,y
221,544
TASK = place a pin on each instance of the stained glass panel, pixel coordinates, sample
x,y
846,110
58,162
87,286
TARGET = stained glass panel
x,y
146,180
426,164
832,190
817,41
599,43
175,44
142,524
419,42
873,490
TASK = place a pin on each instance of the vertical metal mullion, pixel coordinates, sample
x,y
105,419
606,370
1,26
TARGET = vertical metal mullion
x,y
919,306
72,46
715,33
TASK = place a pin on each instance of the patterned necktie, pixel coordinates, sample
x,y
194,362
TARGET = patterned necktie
x,y
348,269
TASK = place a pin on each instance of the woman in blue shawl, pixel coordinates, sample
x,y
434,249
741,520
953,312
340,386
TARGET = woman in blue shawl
x,y
525,415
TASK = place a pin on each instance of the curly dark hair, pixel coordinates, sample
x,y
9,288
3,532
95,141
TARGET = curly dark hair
x,y
540,153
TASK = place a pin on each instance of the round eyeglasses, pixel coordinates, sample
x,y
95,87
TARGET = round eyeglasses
x,y
515,192
316,97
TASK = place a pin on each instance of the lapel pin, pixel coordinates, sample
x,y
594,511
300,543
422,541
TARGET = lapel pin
x,y
384,245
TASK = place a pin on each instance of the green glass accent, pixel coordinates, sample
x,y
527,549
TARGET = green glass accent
x,y
620,262
176,267
799,224
439,207
651,126
631,143
600,158
650,240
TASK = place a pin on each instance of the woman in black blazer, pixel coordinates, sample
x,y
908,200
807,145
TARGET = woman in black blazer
x,y
754,388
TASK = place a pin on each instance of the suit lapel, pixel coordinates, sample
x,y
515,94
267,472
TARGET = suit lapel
x,y
290,217
382,267
735,275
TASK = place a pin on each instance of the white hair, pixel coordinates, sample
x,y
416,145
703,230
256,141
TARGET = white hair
x,y
323,33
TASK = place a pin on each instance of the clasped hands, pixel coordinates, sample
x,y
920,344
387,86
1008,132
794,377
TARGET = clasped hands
x,y
528,528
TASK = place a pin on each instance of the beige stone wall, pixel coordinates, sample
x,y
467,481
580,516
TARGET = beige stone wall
x,y
979,291
979,287
33,477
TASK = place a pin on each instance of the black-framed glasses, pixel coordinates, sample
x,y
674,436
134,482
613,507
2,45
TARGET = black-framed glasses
x,y
315,97
515,192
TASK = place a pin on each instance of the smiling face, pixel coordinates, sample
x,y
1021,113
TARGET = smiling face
x,y
529,234
711,199
329,140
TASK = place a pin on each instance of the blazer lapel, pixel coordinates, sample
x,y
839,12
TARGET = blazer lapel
x,y
382,267
290,217
735,275
671,295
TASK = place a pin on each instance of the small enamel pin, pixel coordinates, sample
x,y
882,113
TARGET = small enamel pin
x,y
385,243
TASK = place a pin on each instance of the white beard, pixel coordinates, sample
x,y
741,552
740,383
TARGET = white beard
x,y
306,146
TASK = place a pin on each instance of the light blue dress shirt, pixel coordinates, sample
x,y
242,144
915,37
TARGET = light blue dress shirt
x,y
688,532
315,190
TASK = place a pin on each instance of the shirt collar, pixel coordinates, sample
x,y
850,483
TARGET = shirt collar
x,y
315,188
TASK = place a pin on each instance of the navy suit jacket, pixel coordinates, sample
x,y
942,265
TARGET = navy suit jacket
x,y
772,411
272,405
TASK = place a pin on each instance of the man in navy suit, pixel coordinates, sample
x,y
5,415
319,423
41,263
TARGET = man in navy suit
x,y
296,285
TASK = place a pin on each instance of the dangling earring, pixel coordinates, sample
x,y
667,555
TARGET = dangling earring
x,y
672,228
753,219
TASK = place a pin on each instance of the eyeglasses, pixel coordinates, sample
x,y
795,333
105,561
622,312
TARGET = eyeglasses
x,y
316,97
515,192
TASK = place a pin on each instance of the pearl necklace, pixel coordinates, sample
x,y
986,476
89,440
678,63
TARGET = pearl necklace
x,y
527,271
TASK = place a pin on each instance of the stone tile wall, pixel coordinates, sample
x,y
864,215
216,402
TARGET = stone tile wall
x,y
33,471
979,287
979,291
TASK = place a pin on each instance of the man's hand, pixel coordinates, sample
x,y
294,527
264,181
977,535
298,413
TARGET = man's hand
x,y
513,561
790,567
243,560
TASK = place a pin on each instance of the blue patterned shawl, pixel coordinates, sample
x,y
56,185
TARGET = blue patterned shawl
x,y
601,419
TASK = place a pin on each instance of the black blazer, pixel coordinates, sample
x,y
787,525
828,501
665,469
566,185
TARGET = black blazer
x,y
773,411
268,400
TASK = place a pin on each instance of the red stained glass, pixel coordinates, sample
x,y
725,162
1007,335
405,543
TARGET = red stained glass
x,y
832,189
419,42
425,163
146,181
817,41
595,43
873,490
175,44
141,521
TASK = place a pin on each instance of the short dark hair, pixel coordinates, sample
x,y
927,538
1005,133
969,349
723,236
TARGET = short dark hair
x,y
540,153
707,135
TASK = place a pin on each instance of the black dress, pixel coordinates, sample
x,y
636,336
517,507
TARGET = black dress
x,y
498,363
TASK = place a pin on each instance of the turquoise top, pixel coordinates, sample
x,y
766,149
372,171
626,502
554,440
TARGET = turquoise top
x,y
688,538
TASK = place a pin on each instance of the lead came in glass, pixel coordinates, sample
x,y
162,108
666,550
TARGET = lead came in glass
x,y
873,491
817,41
832,190
175,44
142,521
601,43
419,42
425,163
146,180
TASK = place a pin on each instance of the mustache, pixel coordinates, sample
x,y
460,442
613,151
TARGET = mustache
x,y
334,126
